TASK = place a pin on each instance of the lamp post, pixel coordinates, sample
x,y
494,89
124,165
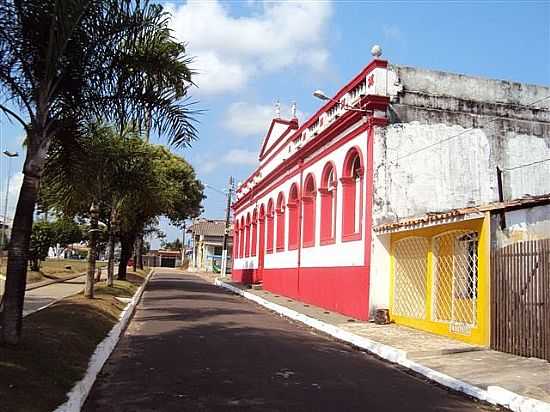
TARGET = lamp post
x,y
322,96
10,155
228,192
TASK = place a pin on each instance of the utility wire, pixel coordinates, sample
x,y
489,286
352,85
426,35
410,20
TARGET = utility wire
x,y
462,133
527,164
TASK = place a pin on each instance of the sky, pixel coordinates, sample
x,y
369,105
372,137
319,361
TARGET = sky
x,y
250,54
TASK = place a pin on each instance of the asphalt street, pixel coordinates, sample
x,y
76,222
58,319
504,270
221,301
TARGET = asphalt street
x,y
195,347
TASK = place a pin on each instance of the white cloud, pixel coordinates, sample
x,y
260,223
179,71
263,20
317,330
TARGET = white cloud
x,y
248,119
231,49
391,32
241,157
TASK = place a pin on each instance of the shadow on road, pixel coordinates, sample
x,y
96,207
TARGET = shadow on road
x,y
222,353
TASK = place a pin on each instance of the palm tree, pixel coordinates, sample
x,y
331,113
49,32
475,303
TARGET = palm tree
x,y
62,63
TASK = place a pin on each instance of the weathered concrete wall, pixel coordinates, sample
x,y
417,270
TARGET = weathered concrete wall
x,y
524,224
448,134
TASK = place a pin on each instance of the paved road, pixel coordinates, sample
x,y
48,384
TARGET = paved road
x,y
194,347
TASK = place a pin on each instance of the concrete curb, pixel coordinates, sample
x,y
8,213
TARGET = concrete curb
x,y
47,305
493,394
78,394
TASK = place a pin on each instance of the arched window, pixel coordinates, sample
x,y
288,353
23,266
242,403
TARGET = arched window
x,y
247,236
270,227
352,185
328,204
241,238
236,240
254,239
280,210
293,217
309,200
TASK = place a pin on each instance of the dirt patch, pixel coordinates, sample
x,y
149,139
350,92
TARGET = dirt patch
x,y
56,347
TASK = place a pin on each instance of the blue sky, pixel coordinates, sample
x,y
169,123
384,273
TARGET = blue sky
x,y
252,53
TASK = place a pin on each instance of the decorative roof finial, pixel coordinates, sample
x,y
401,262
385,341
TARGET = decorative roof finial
x,y
277,109
376,51
293,110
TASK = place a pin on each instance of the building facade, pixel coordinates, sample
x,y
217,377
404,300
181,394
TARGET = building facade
x,y
374,202
207,245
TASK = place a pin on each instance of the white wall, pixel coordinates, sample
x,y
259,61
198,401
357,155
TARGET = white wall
x,y
380,273
524,224
337,254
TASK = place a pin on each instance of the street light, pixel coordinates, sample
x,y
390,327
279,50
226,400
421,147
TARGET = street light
x,y
10,155
322,96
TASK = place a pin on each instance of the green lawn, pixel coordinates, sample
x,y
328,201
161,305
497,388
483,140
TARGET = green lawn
x,y
54,268
56,346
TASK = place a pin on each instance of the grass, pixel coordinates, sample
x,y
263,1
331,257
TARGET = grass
x,y
56,346
54,268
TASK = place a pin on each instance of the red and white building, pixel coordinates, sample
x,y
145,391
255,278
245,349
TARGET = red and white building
x,y
302,219
386,197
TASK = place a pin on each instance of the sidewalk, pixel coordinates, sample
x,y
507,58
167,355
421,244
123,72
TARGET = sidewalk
x,y
482,368
41,294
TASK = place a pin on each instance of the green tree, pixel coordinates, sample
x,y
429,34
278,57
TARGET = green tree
x,y
62,63
42,238
46,235
174,245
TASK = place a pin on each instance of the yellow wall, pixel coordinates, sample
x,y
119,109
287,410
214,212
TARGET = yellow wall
x,y
479,335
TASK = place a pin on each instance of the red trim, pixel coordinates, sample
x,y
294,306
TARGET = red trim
x,y
270,227
274,178
292,125
371,102
349,196
293,206
280,212
309,203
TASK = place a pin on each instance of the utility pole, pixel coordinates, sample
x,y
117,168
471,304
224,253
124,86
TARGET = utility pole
x,y
226,233
10,155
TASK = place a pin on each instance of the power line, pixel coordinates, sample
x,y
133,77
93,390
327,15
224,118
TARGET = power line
x,y
460,134
526,165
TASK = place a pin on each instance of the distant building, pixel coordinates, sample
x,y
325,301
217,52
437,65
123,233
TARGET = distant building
x,y
395,194
162,258
207,245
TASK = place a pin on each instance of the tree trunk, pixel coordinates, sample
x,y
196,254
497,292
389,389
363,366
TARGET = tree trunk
x,y
89,286
140,252
134,263
111,262
126,244
16,273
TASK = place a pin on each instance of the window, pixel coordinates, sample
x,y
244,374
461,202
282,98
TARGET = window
x,y
270,227
254,239
293,218
309,200
218,250
247,236
236,240
241,238
352,185
280,211
328,204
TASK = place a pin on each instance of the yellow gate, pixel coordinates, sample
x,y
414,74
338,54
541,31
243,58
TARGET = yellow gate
x,y
410,277
455,279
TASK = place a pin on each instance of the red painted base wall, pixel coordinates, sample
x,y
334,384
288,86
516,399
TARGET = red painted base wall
x,y
340,289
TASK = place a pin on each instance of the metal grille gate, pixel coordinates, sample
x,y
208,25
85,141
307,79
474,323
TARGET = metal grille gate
x,y
410,277
455,276
520,299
